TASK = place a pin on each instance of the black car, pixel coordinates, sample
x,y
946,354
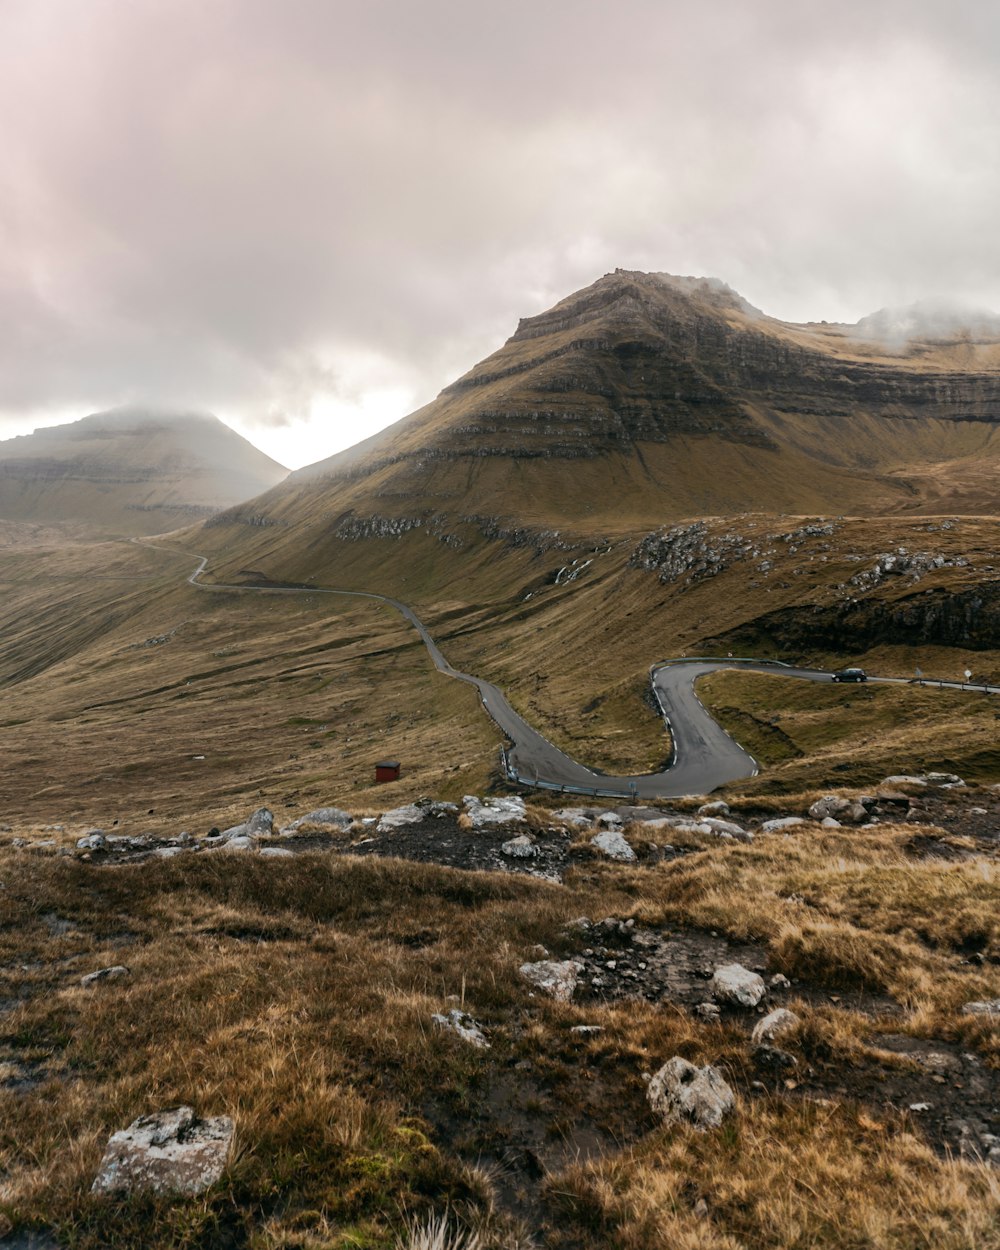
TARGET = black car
x,y
851,674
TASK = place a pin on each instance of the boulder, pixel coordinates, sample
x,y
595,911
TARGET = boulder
x,y
261,823
276,852
773,1025
580,817
400,817
828,822
494,813
170,1152
520,847
732,983
556,978
988,1007
462,1025
781,822
241,842
727,829
707,1011
681,1091
93,841
903,779
846,811
323,816
116,973
718,808
614,846
414,813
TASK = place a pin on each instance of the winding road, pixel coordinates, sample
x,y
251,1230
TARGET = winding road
x,y
704,755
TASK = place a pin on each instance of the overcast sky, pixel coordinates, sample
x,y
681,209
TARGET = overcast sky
x,y
309,215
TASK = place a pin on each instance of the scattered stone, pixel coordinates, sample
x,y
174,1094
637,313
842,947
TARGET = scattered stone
x,y
681,1091
774,1025
920,1106
399,817
520,847
846,811
709,1012
587,1030
276,852
464,1026
261,823
116,973
489,813
732,983
781,822
555,978
170,1152
780,982
92,841
718,808
609,820
773,1057
614,846
722,827
828,822
581,817
988,1007
944,781
322,816
240,843
168,852
901,779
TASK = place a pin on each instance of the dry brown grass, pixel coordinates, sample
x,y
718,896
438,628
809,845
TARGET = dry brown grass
x,y
296,995
782,1177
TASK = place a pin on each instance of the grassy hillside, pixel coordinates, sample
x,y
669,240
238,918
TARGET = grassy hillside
x,y
129,471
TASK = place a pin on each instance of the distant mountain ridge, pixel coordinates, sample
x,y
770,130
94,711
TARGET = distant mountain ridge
x,y
130,471
640,400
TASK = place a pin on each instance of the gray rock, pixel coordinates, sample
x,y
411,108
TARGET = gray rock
x,y
580,817
732,983
520,847
261,823
773,1025
726,826
780,982
781,822
400,817
462,1025
116,973
987,1007
493,813
903,779
170,1152
168,852
614,846
943,780
609,820
828,822
93,841
556,978
708,1011
240,843
834,806
276,852
718,808
328,816
681,1091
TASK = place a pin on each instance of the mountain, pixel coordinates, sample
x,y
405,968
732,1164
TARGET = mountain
x,y
130,471
646,398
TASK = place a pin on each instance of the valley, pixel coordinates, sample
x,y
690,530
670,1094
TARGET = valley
x,y
451,996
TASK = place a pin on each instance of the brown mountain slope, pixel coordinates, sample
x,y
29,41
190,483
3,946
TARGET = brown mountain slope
x,y
647,398
129,471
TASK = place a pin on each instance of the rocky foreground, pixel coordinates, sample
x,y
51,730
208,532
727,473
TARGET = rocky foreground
x,y
610,988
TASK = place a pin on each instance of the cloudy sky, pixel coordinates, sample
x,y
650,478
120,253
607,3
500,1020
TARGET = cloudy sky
x,y
309,215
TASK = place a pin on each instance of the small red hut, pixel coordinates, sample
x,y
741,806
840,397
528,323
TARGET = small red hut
x,y
387,770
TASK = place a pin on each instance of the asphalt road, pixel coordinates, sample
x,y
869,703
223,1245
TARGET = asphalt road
x,y
704,755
